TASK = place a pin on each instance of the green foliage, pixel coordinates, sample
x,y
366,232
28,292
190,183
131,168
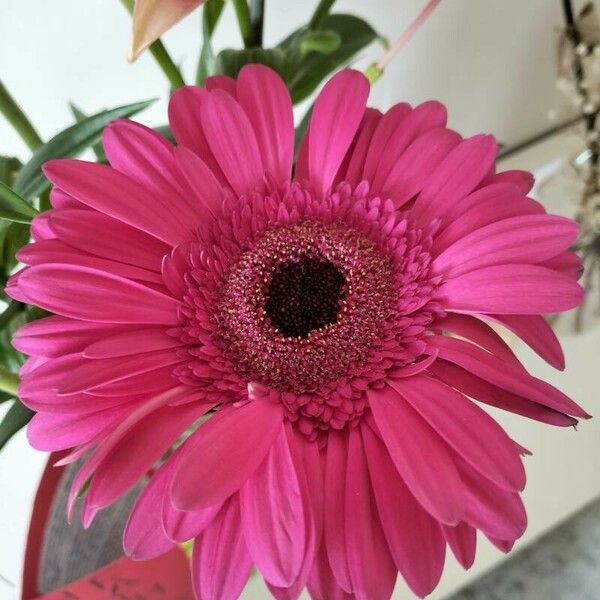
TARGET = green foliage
x,y
229,61
13,207
211,12
31,182
15,419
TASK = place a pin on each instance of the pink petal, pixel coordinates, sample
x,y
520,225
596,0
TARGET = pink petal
x,y
336,116
221,562
533,238
414,538
422,459
184,118
40,227
567,263
504,375
535,331
224,452
494,396
495,511
503,545
372,571
273,517
470,431
222,82
462,539
119,196
334,522
144,537
149,382
232,142
358,150
322,584
126,343
106,237
181,526
457,175
522,179
511,289
266,100
409,174
88,294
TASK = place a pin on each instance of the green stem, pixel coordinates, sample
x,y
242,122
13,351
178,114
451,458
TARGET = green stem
x,y
320,13
161,56
9,382
257,18
16,117
242,12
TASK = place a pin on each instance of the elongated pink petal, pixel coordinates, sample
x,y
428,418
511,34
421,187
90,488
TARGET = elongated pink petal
x,y
567,263
222,82
462,539
334,527
512,289
457,175
487,393
224,452
149,382
118,196
495,511
422,459
87,294
360,145
336,116
522,179
181,526
144,537
106,237
232,141
127,343
410,172
536,332
470,431
413,536
273,516
221,562
504,375
370,564
266,100
137,452
322,584
530,238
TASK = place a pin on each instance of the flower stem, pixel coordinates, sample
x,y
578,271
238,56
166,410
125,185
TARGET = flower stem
x,y
16,117
161,56
320,13
242,12
375,71
257,19
9,382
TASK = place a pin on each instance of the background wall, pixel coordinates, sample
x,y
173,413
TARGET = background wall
x,y
492,63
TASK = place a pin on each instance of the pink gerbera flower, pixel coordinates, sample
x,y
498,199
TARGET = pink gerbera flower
x,y
286,336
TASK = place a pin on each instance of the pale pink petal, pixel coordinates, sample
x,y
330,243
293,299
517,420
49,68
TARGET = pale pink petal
x,y
457,175
88,294
414,537
266,100
273,516
119,196
526,238
462,539
511,289
535,331
372,570
224,452
106,237
337,113
232,141
421,457
221,562
504,375
470,431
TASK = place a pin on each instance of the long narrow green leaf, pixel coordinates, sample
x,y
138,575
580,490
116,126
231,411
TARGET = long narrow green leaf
x,y
69,143
80,116
15,419
13,207
211,12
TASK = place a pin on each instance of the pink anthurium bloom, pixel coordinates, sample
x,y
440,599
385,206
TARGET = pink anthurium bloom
x,y
151,18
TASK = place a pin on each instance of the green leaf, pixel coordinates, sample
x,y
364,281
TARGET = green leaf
x,y
69,143
15,419
165,131
13,207
321,41
308,72
81,116
13,238
229,62
211,12
9,168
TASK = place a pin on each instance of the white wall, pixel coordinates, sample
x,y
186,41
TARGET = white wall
x,y
490,61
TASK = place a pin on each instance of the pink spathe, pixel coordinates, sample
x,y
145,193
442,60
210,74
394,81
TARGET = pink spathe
x,y
300,355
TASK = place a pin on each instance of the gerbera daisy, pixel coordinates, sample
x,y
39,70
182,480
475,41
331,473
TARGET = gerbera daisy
x,y
311,345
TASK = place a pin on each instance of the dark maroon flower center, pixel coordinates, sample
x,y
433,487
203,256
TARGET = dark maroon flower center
x,y
304,295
